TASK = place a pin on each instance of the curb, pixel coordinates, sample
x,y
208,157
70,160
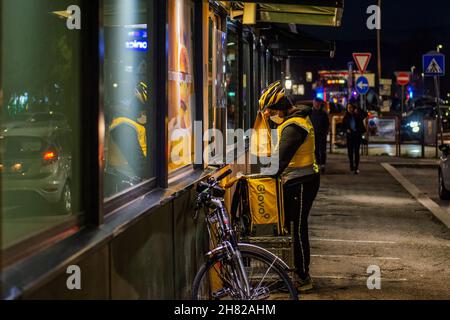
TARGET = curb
x,y
423,199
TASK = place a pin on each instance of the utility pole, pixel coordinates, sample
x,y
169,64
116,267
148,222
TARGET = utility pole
x,y
437,86
379,56
438,83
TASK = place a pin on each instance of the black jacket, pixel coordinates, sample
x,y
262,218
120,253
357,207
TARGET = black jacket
x,y
292,138
320,121
359,123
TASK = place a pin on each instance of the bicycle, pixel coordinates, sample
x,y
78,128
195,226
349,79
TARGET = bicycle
x,y
233,270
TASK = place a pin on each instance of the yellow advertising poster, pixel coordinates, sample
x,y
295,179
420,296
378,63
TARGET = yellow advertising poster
x,y
181,87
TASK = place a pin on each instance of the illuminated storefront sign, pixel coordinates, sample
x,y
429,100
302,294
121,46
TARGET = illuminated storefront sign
x,y
137,40
138,45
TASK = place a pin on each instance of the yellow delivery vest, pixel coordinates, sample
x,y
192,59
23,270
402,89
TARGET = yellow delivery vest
x,y
116,157
304,159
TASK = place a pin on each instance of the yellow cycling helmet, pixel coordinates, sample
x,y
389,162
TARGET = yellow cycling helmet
x,y
274,97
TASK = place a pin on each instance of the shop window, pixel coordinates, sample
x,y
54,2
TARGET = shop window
x,y
216,113
40,147
181,97
246,86
216,75
232,77
263,69
256,76
128,96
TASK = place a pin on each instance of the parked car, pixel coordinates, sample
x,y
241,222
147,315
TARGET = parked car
x,y
36,165
444,172
411,124
38,119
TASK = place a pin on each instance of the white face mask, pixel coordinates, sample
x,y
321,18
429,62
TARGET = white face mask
x,y
277,119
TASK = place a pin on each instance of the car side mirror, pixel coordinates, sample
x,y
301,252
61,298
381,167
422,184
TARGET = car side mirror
x,y
445,148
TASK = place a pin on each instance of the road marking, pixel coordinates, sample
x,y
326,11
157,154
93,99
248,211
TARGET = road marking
x,y
356,278
421,197
353,241
353,256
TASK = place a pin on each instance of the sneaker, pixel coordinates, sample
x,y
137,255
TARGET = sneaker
x,y
357,171
304,285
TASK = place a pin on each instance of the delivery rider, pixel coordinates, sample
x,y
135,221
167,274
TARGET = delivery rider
x,y
127,142
295,149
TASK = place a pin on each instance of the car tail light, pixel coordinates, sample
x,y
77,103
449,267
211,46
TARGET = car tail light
x,y
49,157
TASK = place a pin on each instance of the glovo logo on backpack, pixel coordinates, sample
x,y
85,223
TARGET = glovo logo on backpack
x,y
265,200
261,202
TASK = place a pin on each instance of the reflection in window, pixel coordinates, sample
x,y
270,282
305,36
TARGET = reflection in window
x,y
128,106
181,84
40,118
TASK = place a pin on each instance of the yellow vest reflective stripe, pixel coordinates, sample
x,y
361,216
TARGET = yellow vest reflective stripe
x,y
116,156
305,157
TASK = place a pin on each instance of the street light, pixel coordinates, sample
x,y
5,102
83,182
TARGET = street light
x,y
439,48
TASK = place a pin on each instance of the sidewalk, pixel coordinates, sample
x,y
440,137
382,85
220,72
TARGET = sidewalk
x,y
370,219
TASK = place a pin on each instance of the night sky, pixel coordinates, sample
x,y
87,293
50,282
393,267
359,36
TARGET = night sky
x,y
410,28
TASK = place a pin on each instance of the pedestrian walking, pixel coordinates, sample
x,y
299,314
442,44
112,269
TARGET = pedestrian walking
x,y
321,124
353,124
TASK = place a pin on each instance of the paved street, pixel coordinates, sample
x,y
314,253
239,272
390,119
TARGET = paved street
x,y
359,221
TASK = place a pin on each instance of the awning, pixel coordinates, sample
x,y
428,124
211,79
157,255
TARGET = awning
x,y
285,43
305,12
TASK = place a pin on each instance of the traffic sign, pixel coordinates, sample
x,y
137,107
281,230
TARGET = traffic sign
x,y
362,85
403,78
434,64
362,60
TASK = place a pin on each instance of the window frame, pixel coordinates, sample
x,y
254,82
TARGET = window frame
x,y
218,15
171,177
89,213
155,22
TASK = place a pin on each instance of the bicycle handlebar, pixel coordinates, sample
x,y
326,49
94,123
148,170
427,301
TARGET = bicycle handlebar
x,y
224,175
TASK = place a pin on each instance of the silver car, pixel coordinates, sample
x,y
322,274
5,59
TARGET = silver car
x,y
444,172
36,165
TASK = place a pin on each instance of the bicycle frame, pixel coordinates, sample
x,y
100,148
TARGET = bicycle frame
x,y
226,242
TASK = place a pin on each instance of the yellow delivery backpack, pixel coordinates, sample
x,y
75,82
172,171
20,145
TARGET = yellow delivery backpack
x,y
260,139
258,206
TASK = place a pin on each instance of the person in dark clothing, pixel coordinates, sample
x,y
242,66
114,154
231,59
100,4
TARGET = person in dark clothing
x,y
297,169
353,124
321,123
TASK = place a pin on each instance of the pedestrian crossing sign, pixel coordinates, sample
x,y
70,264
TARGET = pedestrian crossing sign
x,y
434,65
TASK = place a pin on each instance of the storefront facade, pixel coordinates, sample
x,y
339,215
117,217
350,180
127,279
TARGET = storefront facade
x,y
132,236
100,124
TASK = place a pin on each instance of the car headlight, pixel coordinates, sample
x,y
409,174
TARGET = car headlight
x,y
414,124
415,129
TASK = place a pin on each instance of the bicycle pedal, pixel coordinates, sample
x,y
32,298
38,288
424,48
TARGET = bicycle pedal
x,y
261,294
221,293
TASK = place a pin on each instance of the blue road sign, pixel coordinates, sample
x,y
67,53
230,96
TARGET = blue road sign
x,y
434,64
362,85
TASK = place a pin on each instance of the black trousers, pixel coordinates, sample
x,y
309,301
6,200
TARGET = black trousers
x,y
354,148
321,149
299,195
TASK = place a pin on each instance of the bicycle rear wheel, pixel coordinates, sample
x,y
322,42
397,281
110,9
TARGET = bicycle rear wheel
x,y
267,276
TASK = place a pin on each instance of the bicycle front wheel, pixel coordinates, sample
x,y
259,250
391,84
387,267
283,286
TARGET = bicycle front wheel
x,y
218,278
